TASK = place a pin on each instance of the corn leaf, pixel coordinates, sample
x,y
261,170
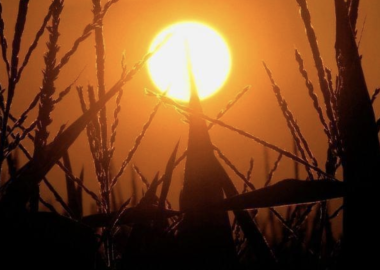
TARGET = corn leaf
x,y
286,192
167,178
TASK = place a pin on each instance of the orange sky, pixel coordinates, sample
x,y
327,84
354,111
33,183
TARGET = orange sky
x,y
255,30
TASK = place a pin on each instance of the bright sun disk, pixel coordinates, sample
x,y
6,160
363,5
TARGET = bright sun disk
x,y
194,43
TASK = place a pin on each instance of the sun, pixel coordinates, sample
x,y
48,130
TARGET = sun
x,y
195,43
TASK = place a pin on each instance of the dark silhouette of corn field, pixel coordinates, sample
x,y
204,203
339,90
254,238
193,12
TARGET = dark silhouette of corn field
x,y
216,226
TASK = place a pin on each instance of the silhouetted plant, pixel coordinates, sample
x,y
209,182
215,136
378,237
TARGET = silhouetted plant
x,y
148,233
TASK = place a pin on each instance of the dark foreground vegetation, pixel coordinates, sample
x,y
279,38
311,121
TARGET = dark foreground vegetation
x,y
149,234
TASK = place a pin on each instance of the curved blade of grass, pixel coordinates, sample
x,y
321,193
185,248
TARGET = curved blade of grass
x,y
286,192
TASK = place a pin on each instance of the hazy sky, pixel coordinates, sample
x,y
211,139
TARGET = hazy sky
x,y
255,30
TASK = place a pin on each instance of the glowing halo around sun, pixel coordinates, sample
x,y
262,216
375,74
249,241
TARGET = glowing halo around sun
x,y
194,43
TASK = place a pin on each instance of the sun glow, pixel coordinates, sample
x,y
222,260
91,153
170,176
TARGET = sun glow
x,y
194,43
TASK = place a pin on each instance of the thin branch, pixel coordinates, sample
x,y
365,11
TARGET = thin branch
x,y
169,101
249,175
50,75
305,14
58,197
48,205
290,230
233,168
50,187
20,121
107,6
334,101
3,41
362,31
271,173
81,98
16,44
100,66
135,146
86,33
33,46
312,93
142,177
66,91
230,104
61,166
295,130
19,138
79,183
238,173
375,94
115,123
336,213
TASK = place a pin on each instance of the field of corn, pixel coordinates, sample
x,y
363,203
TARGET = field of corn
x,y
82,190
